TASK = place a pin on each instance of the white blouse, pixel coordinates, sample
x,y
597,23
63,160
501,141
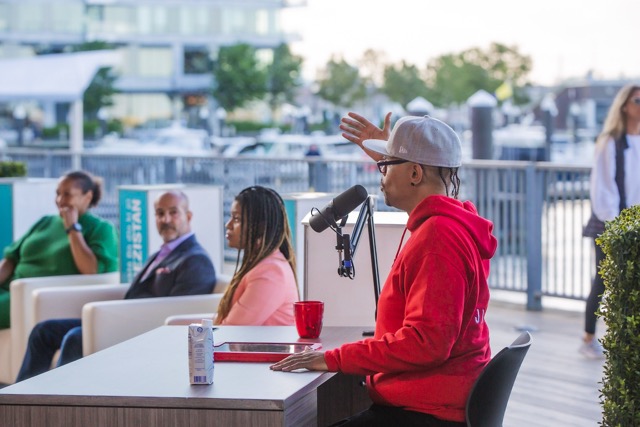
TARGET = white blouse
x,y
605,200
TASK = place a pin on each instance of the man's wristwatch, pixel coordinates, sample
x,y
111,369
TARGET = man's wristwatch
x,y
74,227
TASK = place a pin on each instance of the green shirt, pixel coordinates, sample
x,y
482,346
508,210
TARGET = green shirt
x,y
45,251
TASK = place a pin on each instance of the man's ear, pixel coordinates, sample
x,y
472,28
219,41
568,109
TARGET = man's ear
x,y
416,174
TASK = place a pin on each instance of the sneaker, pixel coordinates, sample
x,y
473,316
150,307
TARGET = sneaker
x,y
592,350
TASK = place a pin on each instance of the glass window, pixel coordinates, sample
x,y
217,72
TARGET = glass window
x,y
153,20
4,17
276,22
30,17
215,22
141,107
127,66
197,60
15,51
172,25
145,20
67,17
233,21
118,20
154,62
195,20
94,17
262,22
249,21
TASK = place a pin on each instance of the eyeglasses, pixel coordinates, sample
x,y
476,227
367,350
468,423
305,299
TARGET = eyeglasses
x,y
635,101
382,165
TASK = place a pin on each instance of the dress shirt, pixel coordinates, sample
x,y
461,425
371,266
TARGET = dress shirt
x,y
164,252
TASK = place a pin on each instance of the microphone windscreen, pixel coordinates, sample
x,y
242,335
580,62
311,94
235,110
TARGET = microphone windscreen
x,y
347,201
338,208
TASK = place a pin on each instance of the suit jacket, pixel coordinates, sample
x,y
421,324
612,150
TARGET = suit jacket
x,y
187,270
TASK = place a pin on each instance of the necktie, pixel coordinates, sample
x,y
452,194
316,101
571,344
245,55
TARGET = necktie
x,y
164,251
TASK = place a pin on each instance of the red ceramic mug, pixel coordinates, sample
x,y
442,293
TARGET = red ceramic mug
x,y
308,315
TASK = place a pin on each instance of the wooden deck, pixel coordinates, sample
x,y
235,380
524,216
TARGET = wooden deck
x,y
556,385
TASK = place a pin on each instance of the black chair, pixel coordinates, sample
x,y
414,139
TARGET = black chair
x,y
489,396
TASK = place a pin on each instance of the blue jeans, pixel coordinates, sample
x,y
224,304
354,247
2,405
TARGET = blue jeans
x,y
45,339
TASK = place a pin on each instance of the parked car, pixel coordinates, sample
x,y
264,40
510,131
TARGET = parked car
x,y
173,139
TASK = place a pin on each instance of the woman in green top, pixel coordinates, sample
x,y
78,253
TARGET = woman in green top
x,y
73,242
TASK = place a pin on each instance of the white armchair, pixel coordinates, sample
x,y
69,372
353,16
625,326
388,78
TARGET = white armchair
x,y
67,303
13,341
108,323
5,356
187,319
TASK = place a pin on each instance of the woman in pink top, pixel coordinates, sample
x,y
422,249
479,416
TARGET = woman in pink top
x,y
264,286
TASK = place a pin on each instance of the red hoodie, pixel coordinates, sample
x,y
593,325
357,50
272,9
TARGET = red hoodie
x,y
431,339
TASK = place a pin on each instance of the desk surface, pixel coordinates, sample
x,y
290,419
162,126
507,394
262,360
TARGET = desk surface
x,y
151,370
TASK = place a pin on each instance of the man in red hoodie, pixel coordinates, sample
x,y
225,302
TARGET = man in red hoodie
x,y
431,340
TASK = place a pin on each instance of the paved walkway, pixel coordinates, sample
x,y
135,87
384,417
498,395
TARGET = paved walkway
x,y
556,385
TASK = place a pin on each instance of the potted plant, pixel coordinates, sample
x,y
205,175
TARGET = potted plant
x,y
12,169
620,309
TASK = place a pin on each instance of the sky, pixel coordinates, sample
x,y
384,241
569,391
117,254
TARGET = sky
x,y
565,38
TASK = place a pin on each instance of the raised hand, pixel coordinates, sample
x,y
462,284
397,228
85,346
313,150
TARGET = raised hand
x,y
357,129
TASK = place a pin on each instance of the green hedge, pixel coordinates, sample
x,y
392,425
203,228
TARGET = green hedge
x,y
251,127
55,131
620,310
12,169
246,126
90,129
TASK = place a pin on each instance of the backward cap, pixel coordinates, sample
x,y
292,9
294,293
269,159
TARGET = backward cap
x,y
423,140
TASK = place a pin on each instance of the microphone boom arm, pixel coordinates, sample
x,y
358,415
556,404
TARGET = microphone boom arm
x,y
366,216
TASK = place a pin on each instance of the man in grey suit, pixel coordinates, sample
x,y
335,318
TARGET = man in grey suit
x,y
180,267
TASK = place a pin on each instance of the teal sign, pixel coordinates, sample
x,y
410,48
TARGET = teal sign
x,y
6,216
134,238
290,207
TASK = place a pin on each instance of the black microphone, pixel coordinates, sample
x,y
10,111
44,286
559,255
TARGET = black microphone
x,y
338,208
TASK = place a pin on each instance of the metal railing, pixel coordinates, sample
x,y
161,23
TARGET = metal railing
x,y
538,209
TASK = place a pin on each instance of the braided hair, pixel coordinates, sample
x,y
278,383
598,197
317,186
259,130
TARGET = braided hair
x,y
450,175
265,228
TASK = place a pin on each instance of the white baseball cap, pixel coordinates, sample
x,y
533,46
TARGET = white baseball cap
x,y
423,140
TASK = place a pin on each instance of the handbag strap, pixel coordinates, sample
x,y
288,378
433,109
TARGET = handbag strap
x,y
621,145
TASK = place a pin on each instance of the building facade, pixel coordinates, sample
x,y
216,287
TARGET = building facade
x,y
167,46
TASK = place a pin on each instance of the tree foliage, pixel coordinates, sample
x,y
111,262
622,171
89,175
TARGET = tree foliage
x,y
447,79
341,84
372,66
283,76
100,91
239,78
502,63
403,83
453,78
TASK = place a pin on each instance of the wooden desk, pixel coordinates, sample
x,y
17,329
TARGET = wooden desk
x,y
144,382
